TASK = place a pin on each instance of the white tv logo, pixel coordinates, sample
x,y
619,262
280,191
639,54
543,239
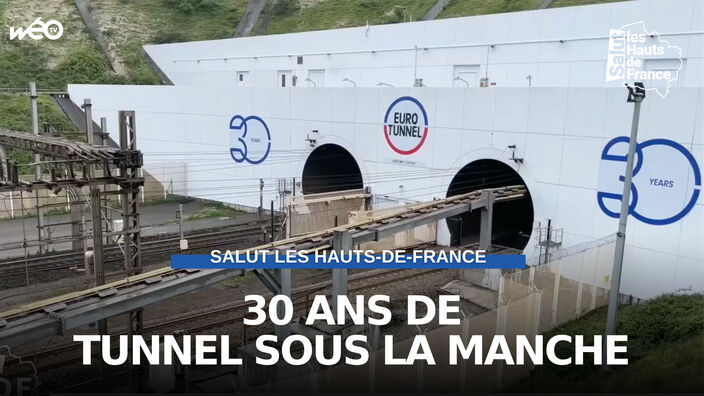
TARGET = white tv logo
x,y
51,29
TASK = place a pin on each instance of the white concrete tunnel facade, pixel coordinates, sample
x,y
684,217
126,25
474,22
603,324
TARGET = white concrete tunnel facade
x,y
565,127
561,134
560,47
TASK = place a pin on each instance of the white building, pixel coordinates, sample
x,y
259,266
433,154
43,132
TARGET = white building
x,y
562,47
562,137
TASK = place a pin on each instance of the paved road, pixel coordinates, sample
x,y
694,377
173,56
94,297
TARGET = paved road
x,y
250,17
435,10
155,219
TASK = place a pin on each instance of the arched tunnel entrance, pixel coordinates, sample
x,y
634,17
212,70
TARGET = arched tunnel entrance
x,y
512,221
330,168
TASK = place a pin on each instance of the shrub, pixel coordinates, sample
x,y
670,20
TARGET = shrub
x,y
285,7
82,65
663,319
192,6
21,63
169,37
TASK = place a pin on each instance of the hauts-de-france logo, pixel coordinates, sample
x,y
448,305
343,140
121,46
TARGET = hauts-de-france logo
x,y
666,180
636,54
250,140
406,125
21,379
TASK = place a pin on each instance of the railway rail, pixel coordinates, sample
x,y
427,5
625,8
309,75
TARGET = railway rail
x,y
223,315
162,244
58,315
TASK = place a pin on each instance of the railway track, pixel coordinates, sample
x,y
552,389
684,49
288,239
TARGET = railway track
x,y
70,311
224,315
151,246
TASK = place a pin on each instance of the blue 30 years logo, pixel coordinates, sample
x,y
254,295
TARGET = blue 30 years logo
x,y
666,180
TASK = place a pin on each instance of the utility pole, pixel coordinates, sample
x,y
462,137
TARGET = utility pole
x,y
272,221
548,240
261,208
636,94
37,167
96,211
180,220
97,223
183,244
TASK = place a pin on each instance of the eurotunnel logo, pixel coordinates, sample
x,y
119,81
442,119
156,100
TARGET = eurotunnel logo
x,y
666,180
51,29
250,140
406,125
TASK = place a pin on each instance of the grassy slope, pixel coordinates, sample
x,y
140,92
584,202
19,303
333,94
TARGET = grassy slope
x,y
570,3
15,114
331,14
129,24
665,351
458,8
73,57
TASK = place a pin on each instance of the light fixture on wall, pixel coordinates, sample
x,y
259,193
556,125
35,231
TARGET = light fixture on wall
x,y
458,78
383,84
513,155
312,137
349,81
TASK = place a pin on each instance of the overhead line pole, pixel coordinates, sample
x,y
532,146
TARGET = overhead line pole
x,y
97,225
636,95
37,166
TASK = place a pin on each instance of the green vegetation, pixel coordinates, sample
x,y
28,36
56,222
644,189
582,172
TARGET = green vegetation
x,y
570,3
126,25
190,7
331,14
22,61
15,114
84,65
129,24
213,210
665,351
169,199
458,8
298,16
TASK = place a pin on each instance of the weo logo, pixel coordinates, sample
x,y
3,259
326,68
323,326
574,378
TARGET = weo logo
x,y
39,29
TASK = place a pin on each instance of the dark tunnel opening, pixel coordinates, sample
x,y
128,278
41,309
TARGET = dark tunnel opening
x,y
512,221
330,168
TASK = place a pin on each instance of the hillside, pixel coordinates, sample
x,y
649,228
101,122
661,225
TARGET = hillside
x,y
72,58
126,25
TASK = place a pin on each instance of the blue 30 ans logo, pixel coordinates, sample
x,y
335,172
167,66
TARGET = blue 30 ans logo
x,y
250,140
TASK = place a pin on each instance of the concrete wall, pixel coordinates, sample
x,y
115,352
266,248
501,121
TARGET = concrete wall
x,y
560,133
426,233
316,212
562,47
